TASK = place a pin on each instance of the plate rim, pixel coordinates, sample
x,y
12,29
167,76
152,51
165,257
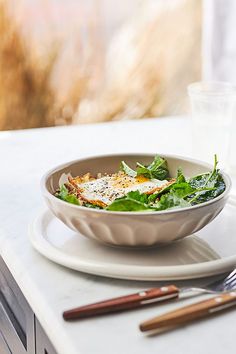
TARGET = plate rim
x,y
131,272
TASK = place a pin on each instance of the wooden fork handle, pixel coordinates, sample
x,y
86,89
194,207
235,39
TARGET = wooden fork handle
x,y
191,312
123,303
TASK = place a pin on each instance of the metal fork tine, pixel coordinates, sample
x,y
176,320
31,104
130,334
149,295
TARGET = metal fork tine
x,y
216,283
227,281
231,275
221,284
231,284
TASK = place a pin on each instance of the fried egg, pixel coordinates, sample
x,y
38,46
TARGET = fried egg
x,y
103,191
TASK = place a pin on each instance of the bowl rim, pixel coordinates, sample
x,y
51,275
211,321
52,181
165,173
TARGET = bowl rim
x,y
46,176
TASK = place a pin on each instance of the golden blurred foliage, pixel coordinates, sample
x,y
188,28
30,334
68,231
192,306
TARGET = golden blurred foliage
x,y
141,72
26,99
150,62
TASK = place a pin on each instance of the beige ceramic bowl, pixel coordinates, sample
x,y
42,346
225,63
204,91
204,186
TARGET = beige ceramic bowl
x,y
131,228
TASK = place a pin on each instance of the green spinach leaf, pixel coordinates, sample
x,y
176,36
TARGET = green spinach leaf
x,y
171,200
212,181
92,206
63,194
126,169
133,201
180,176
158,169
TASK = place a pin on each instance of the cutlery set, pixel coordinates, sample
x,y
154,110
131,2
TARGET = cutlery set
x,y
224,288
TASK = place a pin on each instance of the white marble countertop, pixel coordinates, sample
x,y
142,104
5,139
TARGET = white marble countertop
x,y
50,288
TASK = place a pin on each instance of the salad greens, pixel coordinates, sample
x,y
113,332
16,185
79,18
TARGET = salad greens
x,y
157,169
133,201
179,192
66,196
212,180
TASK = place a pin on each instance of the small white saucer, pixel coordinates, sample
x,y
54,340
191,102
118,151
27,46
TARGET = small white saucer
x,y
211,251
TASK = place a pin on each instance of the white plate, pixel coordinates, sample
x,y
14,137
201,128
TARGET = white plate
x,y
209,252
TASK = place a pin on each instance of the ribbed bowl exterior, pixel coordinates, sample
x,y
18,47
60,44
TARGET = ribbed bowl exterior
x,y
132,229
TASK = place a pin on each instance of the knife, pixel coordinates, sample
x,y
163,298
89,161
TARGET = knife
x,y
191,312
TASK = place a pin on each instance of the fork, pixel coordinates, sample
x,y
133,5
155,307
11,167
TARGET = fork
x,y
221,285
147,297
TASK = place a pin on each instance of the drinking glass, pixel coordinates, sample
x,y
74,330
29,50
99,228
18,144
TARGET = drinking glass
x,y
213,109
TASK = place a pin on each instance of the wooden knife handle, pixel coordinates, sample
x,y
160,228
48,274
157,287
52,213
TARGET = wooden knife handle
x,y
191,312
123,303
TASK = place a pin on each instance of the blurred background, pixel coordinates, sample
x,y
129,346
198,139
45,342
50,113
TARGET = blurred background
x,y
76,61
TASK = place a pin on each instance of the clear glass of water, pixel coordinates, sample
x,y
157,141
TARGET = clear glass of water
x,y
213,109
